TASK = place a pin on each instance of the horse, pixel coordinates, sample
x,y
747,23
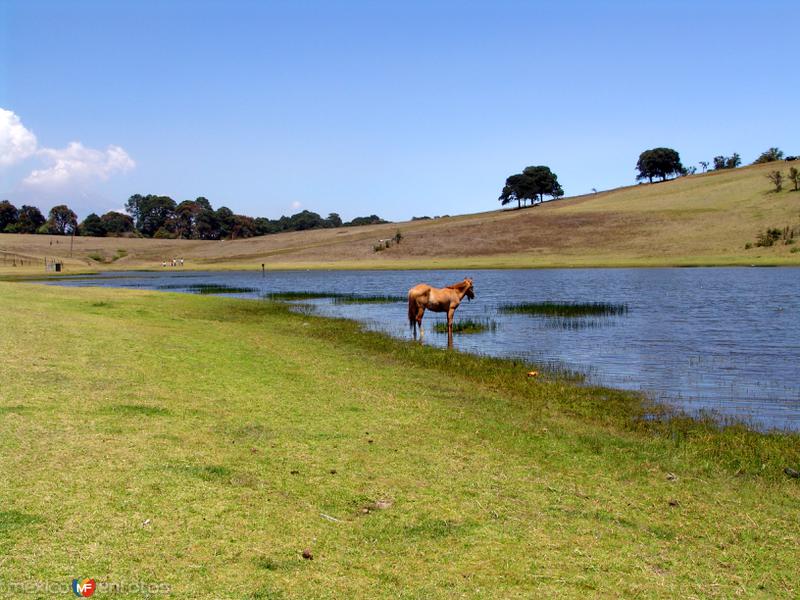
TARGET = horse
x,y
446,299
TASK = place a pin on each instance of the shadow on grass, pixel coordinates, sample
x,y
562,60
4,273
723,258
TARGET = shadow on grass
x,y
13,519
210,473
137,410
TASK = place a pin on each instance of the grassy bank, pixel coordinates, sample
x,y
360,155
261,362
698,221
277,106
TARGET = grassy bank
x,y
205,442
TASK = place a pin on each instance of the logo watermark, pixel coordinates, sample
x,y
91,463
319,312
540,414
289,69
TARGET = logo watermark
x,y
84,588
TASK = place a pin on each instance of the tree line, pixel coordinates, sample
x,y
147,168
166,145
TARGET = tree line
x,y
665,162
536,182
161,217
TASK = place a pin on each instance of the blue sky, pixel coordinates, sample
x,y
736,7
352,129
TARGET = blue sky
x,y
400,109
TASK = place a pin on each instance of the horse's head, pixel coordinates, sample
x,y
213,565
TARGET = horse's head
x,y
470,291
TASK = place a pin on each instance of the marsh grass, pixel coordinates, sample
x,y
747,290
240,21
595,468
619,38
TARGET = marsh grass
x,y
209,288
575,323
566,309
466,326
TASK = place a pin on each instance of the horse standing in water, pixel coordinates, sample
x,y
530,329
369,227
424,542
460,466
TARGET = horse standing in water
x,y
447,299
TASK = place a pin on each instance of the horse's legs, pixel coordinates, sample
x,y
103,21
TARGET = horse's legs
x,y
450,314
420,313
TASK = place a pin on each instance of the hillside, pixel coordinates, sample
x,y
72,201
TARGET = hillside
x,y
699,220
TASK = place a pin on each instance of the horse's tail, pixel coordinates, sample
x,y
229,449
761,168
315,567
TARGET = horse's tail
x,y
412,313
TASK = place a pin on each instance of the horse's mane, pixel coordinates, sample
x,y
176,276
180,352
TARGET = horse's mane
x,y
457,286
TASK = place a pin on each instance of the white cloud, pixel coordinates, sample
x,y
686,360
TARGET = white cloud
x,y
296,204
16,142
75,164
78,164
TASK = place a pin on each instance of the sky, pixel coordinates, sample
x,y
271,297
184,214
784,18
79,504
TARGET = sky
x,y
399,109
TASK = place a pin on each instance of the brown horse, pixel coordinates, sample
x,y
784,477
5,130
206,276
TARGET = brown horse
x,y
447,299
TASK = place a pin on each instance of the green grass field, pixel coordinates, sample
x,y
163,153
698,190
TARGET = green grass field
x,y
204,443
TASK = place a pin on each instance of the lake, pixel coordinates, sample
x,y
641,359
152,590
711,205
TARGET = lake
x,y
725,340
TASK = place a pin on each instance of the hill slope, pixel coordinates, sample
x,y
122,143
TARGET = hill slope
x,y
698,220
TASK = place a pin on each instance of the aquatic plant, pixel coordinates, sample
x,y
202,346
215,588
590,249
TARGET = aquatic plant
x,y
466,326
209,288
566,309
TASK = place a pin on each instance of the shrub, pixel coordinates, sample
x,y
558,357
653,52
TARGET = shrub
x,y
794,177
768,238
776,177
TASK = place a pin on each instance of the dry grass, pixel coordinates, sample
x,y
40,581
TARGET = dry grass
x,y
699,220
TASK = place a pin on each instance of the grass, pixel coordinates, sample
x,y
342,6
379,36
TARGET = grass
x,y
337,298
566,309
650,225
204,442
466,326
209,288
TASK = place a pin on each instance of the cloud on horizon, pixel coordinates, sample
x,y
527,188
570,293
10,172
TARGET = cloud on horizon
x,y
78,164
75,164
16,142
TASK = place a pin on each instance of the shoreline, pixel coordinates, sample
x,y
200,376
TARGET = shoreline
x,y
662,408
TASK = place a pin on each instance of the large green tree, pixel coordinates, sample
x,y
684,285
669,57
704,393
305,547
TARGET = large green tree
x,y
727,162
151,213
659,162
117,223
92,226
62,220
770,155
533,184
225,221
9,215
30,219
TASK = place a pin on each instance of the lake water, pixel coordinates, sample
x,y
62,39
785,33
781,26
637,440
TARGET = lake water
x,y
718,339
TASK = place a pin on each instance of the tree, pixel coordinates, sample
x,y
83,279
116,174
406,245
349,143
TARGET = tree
x,y
150,212
116,223
225,221
9,215
30,219
512,190
776,177
243,227
658,162
334,220
370,220
61,220
727,162
185,219
305,219
92,226
770,155
704,165
206,224
794,177
532,184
